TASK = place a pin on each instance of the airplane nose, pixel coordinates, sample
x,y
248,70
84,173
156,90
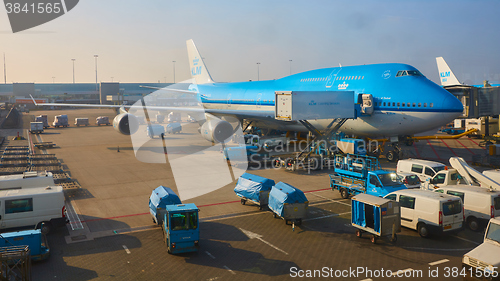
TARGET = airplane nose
x,y
452,104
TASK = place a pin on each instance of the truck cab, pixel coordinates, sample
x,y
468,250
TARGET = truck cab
x,y
382,182
443,178
484,260
181,232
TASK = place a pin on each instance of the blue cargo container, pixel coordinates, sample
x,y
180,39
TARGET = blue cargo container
x,y
288,202
253,188
34,239
159,199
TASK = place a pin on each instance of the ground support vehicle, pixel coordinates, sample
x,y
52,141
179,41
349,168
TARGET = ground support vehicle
x,y
159,199
483,262
36,127
81,122
378,216
443,178
288,203
181,231
173,128
34,239
46,144
155,130
102,120
266,141
355,174
424,169
254,189
60,121
44,119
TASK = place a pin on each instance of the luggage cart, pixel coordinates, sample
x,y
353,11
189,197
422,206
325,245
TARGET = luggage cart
x,y
379,216
288,203
254,189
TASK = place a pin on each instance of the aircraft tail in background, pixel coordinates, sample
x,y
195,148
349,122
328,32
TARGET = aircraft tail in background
x,y
445,74
199,71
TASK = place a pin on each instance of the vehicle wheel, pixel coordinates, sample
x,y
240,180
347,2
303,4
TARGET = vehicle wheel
x,y
260,207
393,240
276,163
45,227
344,194
359,233
243,201
473,224
373,239
391,156
274,215
422,230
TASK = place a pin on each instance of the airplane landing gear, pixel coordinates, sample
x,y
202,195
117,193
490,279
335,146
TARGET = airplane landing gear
x,y
393,155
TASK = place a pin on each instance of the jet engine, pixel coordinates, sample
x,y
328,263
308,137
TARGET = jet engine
x,y
126,123
216,130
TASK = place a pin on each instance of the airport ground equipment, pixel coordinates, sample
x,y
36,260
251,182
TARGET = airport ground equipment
x,y
36,127
443,178
159,199
181,231
453,131
266,141
81,122
288,203
377,216
254,189
483,262
355,174
43,118
173,128
34,239
60,121
155,130
471,175
45,144
102,120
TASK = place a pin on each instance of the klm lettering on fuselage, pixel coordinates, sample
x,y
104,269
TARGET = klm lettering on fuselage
x,y
196,70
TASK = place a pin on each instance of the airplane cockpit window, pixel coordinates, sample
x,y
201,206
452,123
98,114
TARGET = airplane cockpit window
x,y
409,73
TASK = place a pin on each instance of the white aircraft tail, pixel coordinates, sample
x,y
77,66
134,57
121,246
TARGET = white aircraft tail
x,y
445,74
199,71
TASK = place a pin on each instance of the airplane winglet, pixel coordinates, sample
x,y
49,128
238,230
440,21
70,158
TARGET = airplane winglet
x,y
445,74
33,100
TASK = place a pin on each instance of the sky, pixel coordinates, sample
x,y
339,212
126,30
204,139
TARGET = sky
x,y
137,41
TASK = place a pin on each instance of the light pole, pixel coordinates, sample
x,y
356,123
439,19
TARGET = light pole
x,y
111,78
96,88
53,79
290,66
73,70
174,70
258,74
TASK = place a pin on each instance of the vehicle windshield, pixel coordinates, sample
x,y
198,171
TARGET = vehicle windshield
x,y
493,232
389,179
452,208
184,221
439,168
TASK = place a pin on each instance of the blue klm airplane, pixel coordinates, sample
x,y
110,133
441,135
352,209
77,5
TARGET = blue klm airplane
x,y
397,100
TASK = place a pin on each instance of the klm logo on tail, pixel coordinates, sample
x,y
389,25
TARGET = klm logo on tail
x,y
445,74
196,70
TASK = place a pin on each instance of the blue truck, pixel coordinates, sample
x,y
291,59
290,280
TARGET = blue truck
x,y
34,239
355,174
179,222
181,231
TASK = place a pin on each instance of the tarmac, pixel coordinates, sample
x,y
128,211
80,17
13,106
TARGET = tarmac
x,y
112,235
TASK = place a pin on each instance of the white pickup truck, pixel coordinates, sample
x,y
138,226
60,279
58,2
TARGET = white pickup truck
x,y
442,178
483,262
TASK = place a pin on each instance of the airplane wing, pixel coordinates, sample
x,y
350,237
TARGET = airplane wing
x,y
171,90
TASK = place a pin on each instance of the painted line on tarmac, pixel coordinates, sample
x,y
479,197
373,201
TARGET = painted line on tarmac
x,y
228,269
416,150
474,242
435,249
466,147
430,144
449,148
368,279
340,202
401,271
438,262
126,249
476,143
210,255
327,216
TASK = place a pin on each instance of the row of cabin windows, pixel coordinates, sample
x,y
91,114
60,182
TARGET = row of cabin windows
x,y
337,78
402,104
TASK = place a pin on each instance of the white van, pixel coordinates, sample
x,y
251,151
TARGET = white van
x,y
429,212
480,203
27,180
32,206
424,169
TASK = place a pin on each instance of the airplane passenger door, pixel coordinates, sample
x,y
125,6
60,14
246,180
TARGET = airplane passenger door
x,y
229,100
332,77
259,100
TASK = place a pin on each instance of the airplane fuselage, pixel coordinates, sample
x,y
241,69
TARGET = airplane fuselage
x,y
405,102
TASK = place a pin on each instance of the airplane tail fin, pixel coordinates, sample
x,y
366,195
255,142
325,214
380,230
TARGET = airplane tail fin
x,y
445,74
199,71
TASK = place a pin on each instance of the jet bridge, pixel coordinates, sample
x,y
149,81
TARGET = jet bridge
x,y
304,106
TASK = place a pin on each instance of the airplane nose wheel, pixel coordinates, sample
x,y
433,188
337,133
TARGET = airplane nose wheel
x,y
393,155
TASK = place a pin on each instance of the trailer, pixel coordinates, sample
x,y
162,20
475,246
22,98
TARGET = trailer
x,y
44,119
34,239
36,127
288,203
254,189
60,121
154,130
355,174
45,144
102,120
159,199
378,216
81,122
